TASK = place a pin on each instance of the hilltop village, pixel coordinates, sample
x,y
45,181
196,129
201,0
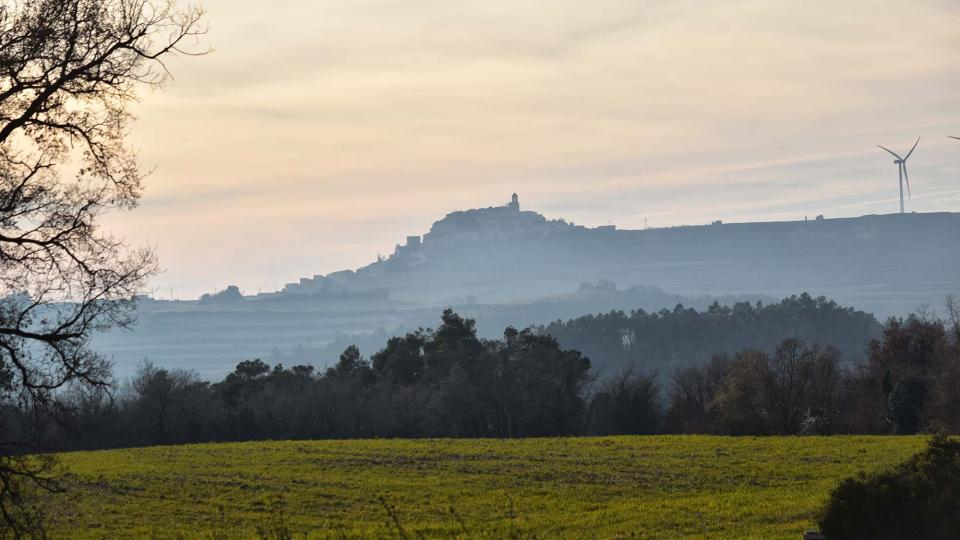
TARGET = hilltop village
x,y
480,225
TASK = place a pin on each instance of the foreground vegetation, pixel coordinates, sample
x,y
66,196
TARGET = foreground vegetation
x,y
662,486
919,498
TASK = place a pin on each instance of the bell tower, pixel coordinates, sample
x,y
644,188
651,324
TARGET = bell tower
x,y
514,203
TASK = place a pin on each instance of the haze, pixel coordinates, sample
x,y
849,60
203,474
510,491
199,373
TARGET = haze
x,y
319,134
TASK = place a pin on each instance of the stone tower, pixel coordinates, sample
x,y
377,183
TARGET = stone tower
x,y
514,203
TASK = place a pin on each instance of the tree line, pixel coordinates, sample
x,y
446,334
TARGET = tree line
x,y
447,382
670,338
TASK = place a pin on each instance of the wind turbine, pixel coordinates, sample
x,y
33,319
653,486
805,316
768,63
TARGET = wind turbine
x,y
952,137
901,163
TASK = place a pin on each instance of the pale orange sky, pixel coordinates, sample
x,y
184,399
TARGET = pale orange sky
x,y
319,134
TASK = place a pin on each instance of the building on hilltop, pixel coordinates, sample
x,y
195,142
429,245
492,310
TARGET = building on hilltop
x,y
413,244
492,223
331,283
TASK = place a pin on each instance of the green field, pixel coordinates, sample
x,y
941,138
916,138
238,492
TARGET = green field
x,y
647,487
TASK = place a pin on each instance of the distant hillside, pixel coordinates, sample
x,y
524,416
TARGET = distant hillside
x,y
885,264
504,265
211,336
672,338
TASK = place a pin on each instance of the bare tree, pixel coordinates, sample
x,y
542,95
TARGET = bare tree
x,y
952,306
69,70
160,397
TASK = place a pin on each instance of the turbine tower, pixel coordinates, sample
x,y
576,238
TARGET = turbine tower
x,y
901,163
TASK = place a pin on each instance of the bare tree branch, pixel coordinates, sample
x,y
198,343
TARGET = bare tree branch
x,y
69,70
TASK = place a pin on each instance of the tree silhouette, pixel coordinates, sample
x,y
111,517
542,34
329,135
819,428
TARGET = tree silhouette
x,y
69,70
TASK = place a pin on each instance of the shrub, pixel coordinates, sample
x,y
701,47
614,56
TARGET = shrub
x,y
918,499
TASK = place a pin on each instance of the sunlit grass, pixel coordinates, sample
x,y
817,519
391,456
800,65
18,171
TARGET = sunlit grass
x,y
656,487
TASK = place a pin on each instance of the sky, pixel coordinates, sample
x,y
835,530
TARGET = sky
x,y
318,134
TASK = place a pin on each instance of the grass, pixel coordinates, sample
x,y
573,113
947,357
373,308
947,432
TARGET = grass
x,y
644,487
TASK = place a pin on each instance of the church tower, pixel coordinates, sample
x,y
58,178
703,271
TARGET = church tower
x,y
514,203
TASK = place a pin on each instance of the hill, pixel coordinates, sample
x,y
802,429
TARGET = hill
x,y
679,487
508,266
885,264
668,339
211,338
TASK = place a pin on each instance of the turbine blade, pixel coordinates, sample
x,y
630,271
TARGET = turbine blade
x,y
952,137
912,149
891,152
907,178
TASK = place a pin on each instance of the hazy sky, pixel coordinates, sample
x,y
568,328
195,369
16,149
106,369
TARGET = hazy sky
x,y
320,133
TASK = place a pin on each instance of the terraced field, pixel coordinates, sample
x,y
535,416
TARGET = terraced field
x,y
644,487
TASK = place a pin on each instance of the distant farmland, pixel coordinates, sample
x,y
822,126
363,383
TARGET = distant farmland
x,y
653,487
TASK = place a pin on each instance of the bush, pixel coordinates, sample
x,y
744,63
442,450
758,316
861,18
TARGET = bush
x,y
919,499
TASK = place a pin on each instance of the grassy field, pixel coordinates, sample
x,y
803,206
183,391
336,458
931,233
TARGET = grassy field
x,y
645,487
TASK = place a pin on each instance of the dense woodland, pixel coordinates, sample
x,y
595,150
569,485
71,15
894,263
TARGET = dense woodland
x,y
667,339
449,383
